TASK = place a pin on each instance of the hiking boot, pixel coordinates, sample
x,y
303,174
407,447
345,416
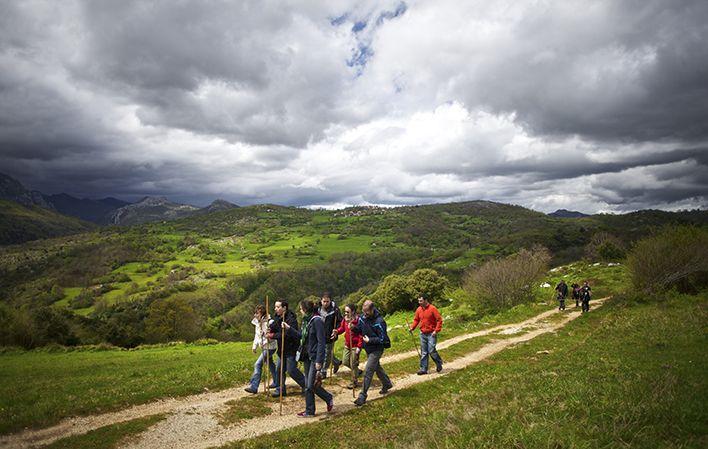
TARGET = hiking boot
x,y
271,386
359,401
305,415
385,389
422,373
250,390
276,394
438,368
337,364
330,405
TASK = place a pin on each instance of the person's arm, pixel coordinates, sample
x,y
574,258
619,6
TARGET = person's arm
x,y
256,337
379,329
319,331
438,320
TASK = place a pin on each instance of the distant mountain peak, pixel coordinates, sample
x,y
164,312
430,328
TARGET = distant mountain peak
x,y
565,213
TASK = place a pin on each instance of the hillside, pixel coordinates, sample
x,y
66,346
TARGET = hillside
x,y
105,286
20,223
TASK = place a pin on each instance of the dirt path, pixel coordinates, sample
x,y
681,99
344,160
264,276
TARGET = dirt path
x,y
192,421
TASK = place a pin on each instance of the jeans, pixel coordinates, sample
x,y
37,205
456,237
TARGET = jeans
x,y
586,305
293,372
311,391
258,368
427,348
373,365
329,356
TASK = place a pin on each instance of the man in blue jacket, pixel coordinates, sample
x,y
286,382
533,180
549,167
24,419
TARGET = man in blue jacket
x,y
312,336
372,328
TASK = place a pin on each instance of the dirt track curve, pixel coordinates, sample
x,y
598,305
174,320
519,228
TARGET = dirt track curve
x,y
192,420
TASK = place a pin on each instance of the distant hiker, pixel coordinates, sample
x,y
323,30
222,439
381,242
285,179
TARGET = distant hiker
x,y
352,343
430,324
267,349
585,294
292,342
562,289
372,327
332,316
313,341
576,293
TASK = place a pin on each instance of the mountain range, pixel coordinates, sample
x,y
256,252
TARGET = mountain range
x,y
47,215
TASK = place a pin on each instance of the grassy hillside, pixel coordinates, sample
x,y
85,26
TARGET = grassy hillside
x,y
627,375
23,223
105,285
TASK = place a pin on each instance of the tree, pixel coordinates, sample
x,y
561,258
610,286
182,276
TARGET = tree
x,y
172,319
397,292
605,246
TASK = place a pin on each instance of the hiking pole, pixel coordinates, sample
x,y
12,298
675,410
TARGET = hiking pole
x,y
351,365
413,338
266,386
282,362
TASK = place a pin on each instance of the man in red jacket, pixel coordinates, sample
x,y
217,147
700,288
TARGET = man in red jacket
x,y
430,324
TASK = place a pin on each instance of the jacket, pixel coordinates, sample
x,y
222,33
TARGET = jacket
x,y
373,327
260,337
331,317
316,339
292,336
429,318
351,340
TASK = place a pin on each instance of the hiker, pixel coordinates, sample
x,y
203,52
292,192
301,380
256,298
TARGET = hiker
x,y
312,352
332,316
430,324
585,295
267,347
372,328
576,293
286,354
562,289
352,343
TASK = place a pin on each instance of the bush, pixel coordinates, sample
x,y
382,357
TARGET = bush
x,y
674,257
605,247
397,292
504,283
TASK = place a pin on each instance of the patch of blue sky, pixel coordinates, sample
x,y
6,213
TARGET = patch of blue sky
x,y
388,15
336,21
358,26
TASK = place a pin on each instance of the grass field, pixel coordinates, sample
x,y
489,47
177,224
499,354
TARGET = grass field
x,y
626,375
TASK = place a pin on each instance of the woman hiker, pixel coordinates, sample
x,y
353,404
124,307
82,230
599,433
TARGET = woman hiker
x,y
352,343
312,353
267,347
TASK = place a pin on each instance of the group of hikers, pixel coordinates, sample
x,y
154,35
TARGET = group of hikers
x,y
312,342
581,295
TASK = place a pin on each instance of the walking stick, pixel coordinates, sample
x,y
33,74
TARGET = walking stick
x,y
266,371
351,364
413,338
282,362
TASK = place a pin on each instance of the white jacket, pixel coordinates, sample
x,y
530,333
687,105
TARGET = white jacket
x,y
260,338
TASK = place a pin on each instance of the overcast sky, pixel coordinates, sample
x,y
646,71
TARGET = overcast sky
x,y
584,105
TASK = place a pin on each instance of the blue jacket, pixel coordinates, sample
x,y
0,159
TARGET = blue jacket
x,y
316,340
375,329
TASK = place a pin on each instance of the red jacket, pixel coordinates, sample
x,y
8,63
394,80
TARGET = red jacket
x,y
349,337
429,318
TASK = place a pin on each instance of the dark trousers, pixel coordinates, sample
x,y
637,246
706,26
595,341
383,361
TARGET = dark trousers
x,y
311,390
373,365
586,304
293,372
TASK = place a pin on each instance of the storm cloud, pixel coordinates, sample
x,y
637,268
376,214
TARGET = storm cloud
x,y
595,106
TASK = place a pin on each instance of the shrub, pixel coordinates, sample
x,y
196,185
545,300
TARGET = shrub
x,y
503,283
674,257
606,247
397,292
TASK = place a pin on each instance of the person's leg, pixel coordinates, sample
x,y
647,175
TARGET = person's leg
x,y
380,373
369,370
424,353
257,371
328,359
294,372
309,388
432,343
355,368
347,357
272,368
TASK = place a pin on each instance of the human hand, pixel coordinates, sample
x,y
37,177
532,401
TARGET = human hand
x,y
365,338
286,325
357,350
318,366
254,350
